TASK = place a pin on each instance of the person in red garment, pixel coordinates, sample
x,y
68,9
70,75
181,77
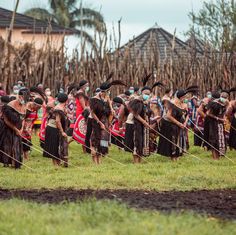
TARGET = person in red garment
x,y
81,97
49,109
82,104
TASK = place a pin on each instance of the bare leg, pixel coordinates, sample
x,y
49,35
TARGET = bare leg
x,y
99,160
94,155
136,159
94,158
65,161
215,155
174,159
26,155
54,162
84,148
139,159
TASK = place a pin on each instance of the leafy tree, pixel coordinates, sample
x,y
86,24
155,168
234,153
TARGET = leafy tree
x,y
216,23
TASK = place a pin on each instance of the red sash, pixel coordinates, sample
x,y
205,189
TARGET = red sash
x,y
43,129
80,129
116,131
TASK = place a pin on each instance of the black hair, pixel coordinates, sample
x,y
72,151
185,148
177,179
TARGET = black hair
x,y
12,98
62,97
5,99
82,83
127,93
38,101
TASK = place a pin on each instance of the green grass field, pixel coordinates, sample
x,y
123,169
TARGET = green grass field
x,y
117,171
102,217
155,173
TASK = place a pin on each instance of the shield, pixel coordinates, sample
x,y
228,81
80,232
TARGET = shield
x,y
80,129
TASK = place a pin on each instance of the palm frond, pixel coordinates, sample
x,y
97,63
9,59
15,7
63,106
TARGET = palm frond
x,y
88,13
88,23
39,13
86,36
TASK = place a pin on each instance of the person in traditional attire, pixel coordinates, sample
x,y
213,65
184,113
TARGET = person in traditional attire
x,y
37,92
82,110
49,109
155,118
231,117
118,128
71,108
140,111
4,100
172,142
82,97
166,99
193,104
129,131
214,133
184,138
200,117
102,113
129,121
11,123
56,145
89,126
231,113
168,94
227,124
129,124
32,108
135,92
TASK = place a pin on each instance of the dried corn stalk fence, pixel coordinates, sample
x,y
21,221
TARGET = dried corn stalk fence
x,y
54,69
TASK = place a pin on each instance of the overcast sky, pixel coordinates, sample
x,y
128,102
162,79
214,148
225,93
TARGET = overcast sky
x,y
137,15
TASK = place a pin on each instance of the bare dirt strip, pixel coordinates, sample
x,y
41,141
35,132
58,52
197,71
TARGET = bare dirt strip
x,y
216,203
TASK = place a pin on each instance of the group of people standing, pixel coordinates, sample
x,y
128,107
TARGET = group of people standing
x,y
137,120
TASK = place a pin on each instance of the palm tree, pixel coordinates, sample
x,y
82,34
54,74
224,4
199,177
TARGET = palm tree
x,y
66,14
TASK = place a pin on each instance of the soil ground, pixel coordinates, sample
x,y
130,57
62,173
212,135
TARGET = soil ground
x,y
216,203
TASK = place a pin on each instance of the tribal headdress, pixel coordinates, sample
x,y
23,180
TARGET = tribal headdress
x,y
182,92
105,86
35,92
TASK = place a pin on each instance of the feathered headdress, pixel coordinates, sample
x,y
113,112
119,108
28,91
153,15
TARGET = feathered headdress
x,y
35,90
145,79
72,87
118,100
107,85
110,76
156,84
232,90
159,84
193,88
228,91
182,92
